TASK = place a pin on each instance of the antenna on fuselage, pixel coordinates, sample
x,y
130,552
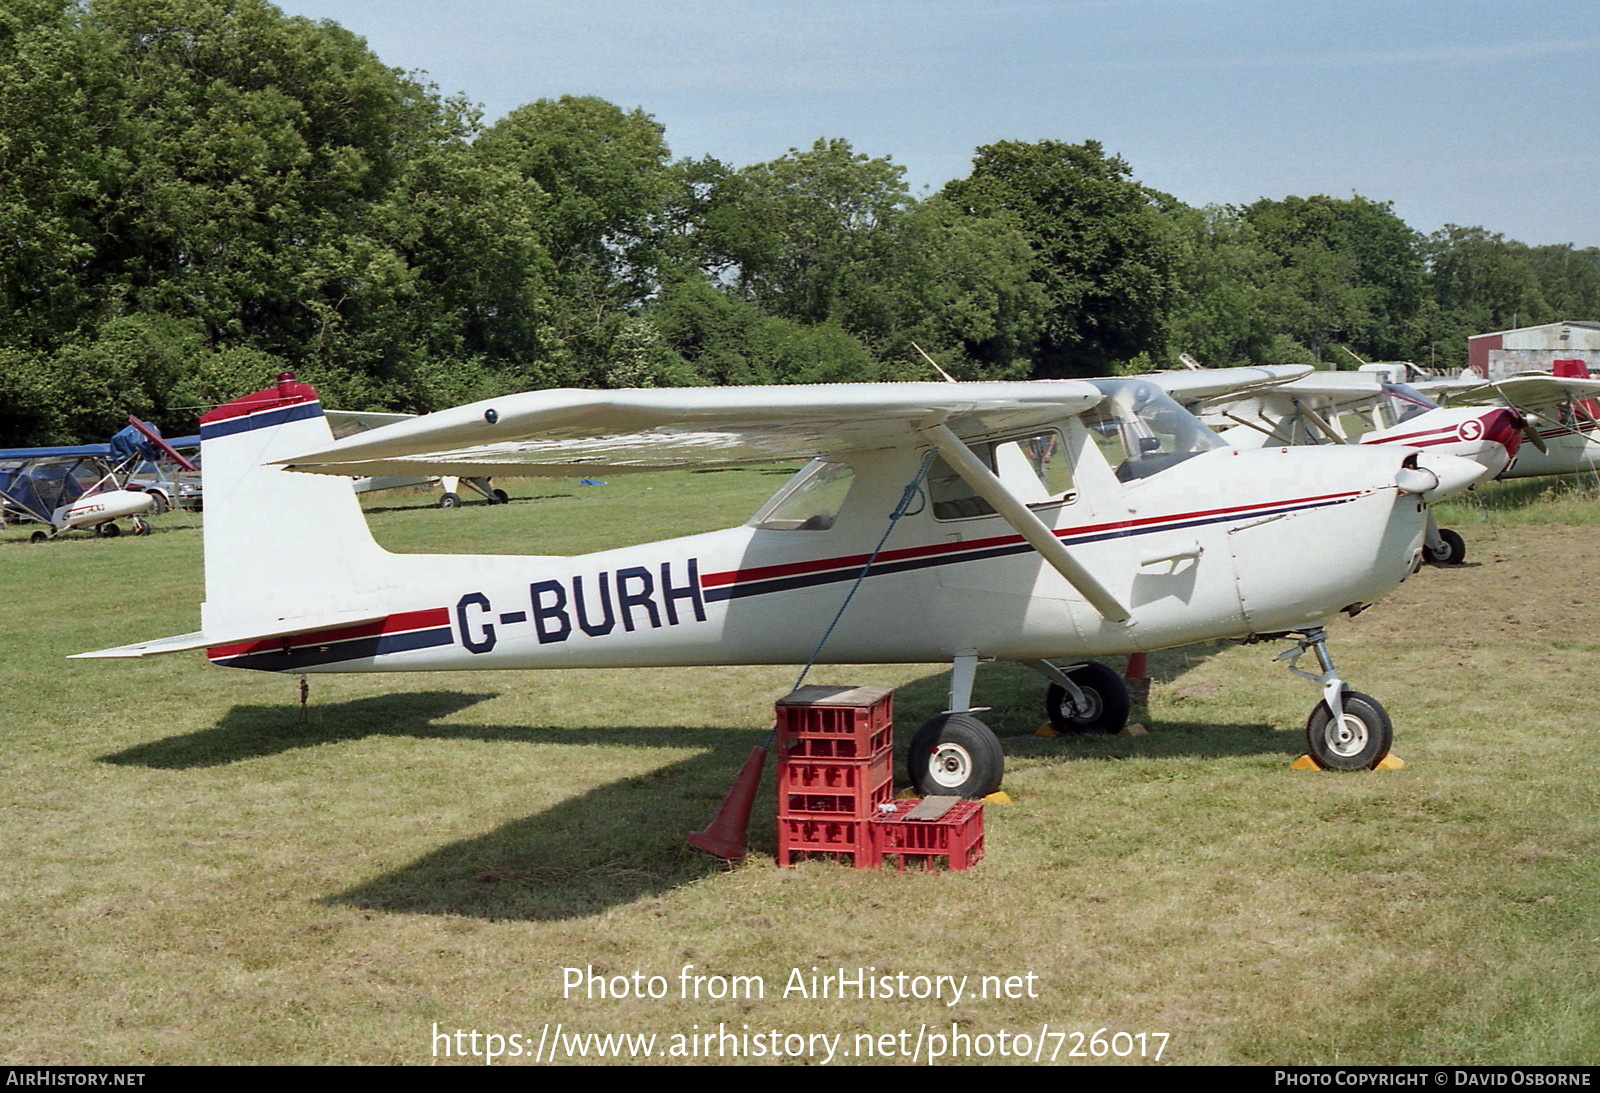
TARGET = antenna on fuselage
x,y
947,377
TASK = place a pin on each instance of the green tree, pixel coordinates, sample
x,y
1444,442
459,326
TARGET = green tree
x,y
831,236
59,96
1569,279
1346,271
1221,297
605,184
1101,255
801,235
264,185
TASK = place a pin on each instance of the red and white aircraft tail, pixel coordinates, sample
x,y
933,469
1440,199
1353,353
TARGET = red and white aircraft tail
x,y
320,553
310,563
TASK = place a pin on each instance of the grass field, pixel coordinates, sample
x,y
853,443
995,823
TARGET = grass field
x,y
193,874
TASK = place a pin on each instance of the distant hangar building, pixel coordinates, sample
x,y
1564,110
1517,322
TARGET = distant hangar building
x,y
1532,348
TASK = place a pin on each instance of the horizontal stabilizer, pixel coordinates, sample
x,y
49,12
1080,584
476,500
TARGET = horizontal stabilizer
x,y
186,643
182,643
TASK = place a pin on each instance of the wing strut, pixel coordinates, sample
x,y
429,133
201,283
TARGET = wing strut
x,y
1322,426
1021,517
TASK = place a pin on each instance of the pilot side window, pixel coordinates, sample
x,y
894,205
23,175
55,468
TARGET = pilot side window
x,y
1034,468
810,501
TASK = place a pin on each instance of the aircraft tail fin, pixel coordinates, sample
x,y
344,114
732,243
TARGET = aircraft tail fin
x,y
280,547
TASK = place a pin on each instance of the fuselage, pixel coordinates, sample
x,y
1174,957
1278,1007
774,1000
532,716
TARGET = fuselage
x,y
1569,448
1490,436
1223,544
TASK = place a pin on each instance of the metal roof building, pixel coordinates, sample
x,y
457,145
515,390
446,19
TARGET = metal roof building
x,y
1532,348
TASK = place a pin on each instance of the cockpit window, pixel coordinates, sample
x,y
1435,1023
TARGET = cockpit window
x,y
1406,402
810,501
1035,469
1142,431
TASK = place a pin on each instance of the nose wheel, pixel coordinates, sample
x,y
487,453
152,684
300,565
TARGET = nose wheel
x,y
1347,730
1448,549
1357,740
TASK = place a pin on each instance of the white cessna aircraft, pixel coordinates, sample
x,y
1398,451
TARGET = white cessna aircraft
x,y
1562,409
1043,522
350,422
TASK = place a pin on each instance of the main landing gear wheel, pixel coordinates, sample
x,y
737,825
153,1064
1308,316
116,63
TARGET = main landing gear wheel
x,y
1359,742
107,531
39,537
499,497
140,526
1105,705
449,501
1452,550
955,755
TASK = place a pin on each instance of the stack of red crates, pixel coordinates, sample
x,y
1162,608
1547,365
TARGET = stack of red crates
x,y
835,767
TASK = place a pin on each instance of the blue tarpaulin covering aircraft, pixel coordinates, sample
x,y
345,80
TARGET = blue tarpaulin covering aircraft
x,y
85,485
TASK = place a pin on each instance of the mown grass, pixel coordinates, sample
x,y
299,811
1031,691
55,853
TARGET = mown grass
x,y
1568,499
194,874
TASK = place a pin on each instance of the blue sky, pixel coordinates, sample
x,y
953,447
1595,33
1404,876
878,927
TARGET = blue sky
x,y
1456,111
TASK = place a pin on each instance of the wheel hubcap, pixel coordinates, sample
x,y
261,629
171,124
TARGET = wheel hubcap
x,y
950,766
1088,711
1348,738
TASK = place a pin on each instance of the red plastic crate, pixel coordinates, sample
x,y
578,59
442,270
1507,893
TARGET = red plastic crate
x,y
842,806
845,787
822,722
957,836
802,838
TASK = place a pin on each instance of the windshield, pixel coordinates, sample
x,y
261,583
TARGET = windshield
x,y
1142,431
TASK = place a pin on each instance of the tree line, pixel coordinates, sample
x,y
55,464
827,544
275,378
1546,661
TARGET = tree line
x,y
195,194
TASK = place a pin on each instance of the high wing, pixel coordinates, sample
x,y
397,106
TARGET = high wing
x,y
569,432
1194,387
1334,390
1313,398
349,422
1524,391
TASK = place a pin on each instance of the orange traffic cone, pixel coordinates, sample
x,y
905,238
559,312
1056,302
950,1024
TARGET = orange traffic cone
x,y
724,835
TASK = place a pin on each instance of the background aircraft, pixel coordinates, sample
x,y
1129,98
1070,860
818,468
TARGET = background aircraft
x,y
350,422
85,486
1562,409
1368,408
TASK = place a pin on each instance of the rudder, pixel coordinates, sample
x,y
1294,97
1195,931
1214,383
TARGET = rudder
x,y
279,546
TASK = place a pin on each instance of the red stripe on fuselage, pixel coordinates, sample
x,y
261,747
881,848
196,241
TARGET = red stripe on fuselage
x,y
1568,430
1410,440
393,624
792,569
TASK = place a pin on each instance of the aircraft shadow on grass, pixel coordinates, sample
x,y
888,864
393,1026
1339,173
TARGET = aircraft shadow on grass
x,y
254,732
623,841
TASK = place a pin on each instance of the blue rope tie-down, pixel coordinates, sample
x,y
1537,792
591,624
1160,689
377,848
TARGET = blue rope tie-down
x,y
912,491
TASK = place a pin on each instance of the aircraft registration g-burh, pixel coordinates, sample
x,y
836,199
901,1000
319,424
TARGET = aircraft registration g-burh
x,y
1041,522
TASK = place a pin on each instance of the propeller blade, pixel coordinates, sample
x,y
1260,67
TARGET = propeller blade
x,y
1530,432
